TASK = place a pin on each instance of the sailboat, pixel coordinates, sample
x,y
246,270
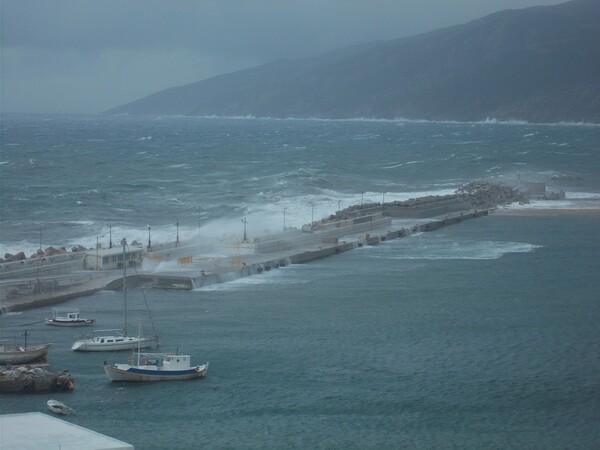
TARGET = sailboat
x,y
115,340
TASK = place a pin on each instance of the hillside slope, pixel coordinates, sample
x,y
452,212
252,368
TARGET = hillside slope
x,y
539,64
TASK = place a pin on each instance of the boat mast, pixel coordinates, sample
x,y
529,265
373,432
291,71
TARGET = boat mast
x,y
124,244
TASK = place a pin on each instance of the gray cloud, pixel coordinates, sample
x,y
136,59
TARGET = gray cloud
x,y
88,56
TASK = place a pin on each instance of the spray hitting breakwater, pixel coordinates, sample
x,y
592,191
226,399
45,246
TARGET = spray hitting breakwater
x,y
478,194
320,240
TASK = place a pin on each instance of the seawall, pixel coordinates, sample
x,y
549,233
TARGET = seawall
x,y
335,237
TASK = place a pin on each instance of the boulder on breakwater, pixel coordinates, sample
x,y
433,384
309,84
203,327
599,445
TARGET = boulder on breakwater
x,y
48,251
34,379
16,257
487,194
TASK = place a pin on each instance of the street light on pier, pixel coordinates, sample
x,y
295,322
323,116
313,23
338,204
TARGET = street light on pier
x,y
177,241
25,334
149,241
110,236
284,210
244,221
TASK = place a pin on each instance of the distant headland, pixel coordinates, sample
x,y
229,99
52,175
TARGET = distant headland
x,y
538,65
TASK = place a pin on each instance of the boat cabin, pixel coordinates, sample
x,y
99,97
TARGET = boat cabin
x,y
176,362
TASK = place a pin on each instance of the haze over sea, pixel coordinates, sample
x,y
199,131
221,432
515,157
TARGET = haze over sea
x,y
479,335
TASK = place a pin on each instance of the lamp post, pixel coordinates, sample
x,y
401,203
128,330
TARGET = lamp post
x,y
284,209
244,221
149,241
97,258
177,241
25,334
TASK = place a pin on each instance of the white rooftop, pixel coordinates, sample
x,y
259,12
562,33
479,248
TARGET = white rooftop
x,y
38,431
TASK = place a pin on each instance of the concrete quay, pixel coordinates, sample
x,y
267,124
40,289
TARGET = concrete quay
x,y
191,267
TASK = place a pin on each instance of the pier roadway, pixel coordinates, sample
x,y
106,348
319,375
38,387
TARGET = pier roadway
x,y
240,260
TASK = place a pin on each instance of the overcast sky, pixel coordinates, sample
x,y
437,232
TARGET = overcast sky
x,y
86,56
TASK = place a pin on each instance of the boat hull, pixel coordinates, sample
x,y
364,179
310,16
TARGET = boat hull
x,y
30,354
116,373
70,323
113,344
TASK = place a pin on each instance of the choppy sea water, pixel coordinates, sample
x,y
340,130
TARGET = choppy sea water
x,y
479,335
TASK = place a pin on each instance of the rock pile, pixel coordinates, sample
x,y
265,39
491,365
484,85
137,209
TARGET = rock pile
x,y
487,194
34,379
49,251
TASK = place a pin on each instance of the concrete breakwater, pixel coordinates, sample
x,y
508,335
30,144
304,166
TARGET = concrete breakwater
x,y
187,267
258,257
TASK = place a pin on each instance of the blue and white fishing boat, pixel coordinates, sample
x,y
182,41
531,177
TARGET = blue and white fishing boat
x,y
155,367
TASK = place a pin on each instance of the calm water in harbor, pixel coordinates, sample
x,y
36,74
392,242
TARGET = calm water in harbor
x,y
479,335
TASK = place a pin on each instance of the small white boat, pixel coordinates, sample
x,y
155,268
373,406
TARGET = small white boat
x,y
59,408
113,340
71,319
15,354
155,367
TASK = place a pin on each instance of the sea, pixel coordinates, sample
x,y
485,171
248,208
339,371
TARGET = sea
x,y
483,334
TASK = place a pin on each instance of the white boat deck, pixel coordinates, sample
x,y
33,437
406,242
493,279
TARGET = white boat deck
x,y
51,433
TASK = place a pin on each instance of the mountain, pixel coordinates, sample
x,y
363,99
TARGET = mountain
x,y
539,64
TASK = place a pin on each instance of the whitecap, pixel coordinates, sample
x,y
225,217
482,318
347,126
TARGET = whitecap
x,y
179,166
245,283
393,166
449,250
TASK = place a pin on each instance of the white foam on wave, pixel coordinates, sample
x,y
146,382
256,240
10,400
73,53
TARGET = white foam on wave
x,y
271,277
583,195
572,201
448,250
264,218
179,166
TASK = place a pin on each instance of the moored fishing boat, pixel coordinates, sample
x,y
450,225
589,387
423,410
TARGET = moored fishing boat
x,y
15,354
71,319
155,367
